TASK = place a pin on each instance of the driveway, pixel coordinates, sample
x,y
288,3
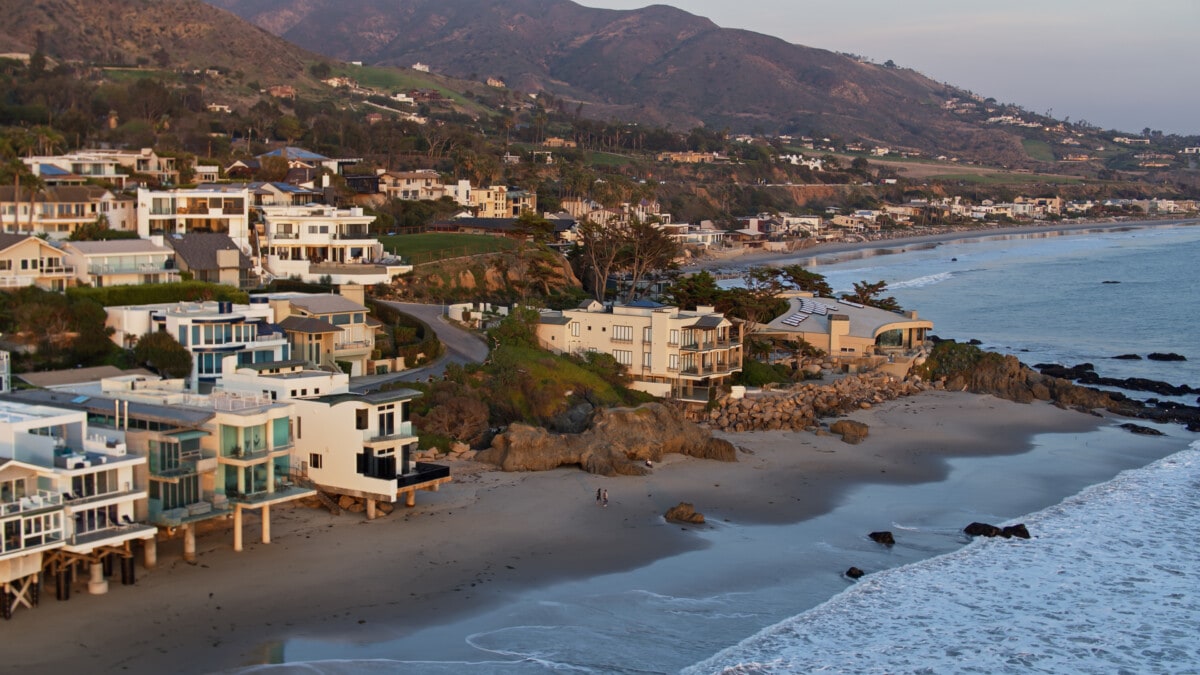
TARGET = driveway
x,y
462,347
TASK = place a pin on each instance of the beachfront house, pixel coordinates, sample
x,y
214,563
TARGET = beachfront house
x,y
69,497
845,329
684,354
214,208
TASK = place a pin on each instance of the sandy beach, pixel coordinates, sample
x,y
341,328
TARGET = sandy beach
x,y
489,536
834,251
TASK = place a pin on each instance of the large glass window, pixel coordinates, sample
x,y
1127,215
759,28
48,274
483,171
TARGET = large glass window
x,y
281,432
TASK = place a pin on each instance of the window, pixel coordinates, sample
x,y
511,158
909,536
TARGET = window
x,y
623,357
673,362
674,337
361,419
646,359
316,461
387,420
647,334
5,265
574,329
623,333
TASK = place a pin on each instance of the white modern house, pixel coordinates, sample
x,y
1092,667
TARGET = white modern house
x,y
315,241
210,330
68,497
223,209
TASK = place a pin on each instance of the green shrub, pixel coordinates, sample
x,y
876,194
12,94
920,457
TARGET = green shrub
x,y
757,373
149,294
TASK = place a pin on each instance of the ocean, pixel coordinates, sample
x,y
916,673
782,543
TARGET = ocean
x,y
1107,584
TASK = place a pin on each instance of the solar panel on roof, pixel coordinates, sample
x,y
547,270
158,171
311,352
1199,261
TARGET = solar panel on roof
x,y
80,399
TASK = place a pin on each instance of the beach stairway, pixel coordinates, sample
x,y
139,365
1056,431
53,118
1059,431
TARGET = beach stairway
x,y
329,503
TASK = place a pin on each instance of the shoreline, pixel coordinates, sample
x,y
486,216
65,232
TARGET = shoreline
x,y
470,548
831,250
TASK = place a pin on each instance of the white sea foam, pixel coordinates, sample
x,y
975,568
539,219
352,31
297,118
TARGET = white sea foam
x,y
919,282
1106,585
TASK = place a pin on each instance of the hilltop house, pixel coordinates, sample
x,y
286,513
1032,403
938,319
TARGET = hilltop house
x,y
670,352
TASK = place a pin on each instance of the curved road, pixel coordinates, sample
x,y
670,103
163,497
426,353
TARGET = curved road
x,y
462,347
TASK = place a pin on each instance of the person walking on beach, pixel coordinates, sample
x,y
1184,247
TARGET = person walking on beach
x,y
605,498
597,496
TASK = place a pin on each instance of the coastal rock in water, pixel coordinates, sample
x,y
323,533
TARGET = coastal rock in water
x,y
854,573
982,530
852,432
618,442
684,513
1169,356
1141,430
1128,357
884,538
1019,531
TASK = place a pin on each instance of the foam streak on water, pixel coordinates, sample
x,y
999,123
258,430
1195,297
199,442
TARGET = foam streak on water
x,y
1107,585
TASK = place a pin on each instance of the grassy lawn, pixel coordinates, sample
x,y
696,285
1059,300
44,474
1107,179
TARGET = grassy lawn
x,y
130,74
429,246
1039,150
1002,178
399,79
607,159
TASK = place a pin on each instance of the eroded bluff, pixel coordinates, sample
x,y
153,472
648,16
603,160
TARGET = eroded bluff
x,y
619,441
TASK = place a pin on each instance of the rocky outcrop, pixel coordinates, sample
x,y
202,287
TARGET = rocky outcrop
x,y
884,538
1008,532
684,513
855,573
851,431
1085,373
618,442
1140,430
1006,377
800,407
1169,356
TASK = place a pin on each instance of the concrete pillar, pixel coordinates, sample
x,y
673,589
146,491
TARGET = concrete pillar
x,y
189,544
237,527
97,585
270,476
410,498
370,509
266,523
150,553
241,478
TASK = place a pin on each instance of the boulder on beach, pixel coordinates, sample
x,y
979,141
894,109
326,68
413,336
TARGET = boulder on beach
x,y
851,431
854,573
684,512
618,442
884,538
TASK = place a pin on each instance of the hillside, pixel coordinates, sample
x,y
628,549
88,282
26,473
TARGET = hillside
x,y
178,35
656,65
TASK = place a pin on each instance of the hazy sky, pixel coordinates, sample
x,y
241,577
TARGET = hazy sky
x,y
1116,64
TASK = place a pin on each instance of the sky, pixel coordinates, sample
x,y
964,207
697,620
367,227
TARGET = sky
x,y
1114,63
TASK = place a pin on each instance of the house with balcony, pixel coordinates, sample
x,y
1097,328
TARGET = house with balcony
x,y
221,209
316,241
84,166
145,162
210,330
327,330
31,525
56,212
361,445
668,351
30,261
120,261
75,495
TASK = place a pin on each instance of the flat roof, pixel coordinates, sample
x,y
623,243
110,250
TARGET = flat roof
x,y
375,397
69,376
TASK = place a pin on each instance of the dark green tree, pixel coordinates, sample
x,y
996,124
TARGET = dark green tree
x,y
869,294
801,279
162,353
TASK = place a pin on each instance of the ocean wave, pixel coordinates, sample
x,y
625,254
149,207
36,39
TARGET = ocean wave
x,y
921,282
1105,585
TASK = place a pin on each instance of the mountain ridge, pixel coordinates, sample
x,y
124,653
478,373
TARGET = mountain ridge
x,y
657,65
